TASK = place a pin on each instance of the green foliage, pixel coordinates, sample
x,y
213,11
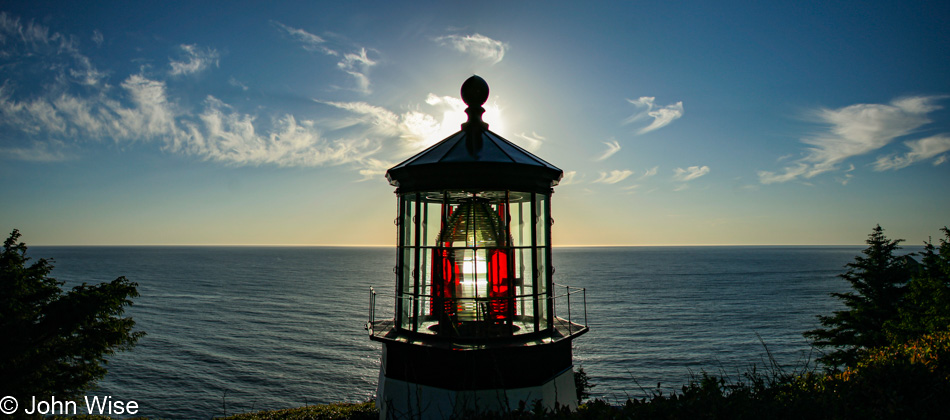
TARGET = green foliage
x,y
877,280
910,380
56,342
926,305
340,411
582,385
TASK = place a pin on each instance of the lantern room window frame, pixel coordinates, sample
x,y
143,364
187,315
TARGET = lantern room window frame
x,y
523,306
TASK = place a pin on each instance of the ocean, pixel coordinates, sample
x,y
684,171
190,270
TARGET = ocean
x,y
239,329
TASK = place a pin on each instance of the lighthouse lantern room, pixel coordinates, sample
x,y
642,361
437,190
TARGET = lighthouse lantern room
x,y
478,324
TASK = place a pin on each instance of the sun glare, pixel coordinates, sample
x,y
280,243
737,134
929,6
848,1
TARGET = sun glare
x,y
494,119
454,116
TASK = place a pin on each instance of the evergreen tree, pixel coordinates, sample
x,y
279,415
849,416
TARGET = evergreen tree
x,y
55,343
877,280
926,305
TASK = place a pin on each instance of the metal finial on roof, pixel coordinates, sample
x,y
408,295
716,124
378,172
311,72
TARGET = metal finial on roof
x,y
475,94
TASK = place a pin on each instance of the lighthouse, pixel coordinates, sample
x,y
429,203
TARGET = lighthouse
x,y
478,323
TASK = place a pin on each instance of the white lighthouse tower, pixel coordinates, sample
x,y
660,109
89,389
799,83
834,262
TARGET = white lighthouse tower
x,y
479,324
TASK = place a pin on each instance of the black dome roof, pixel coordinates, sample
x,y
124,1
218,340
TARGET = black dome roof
x,y
474,158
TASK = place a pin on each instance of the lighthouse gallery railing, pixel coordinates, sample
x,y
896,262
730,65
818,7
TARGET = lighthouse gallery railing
x,y
569,318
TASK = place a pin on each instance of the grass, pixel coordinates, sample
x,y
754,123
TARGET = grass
x,y
338,411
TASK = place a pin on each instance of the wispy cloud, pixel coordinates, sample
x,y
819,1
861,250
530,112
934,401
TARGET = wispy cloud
x,y
385,121
650,172
922,149
860,129
237,83
231,137
372,168
37,42
477,45
569,178
846,178
39,151
146,113
612,147
455,103
309,41
613,177
647,108
398,135
358,65
532,142
690,173
153,115
54,121
353,60
414,130
97,37
193,60
33,35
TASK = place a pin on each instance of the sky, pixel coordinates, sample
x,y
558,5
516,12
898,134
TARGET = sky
x,y
273,123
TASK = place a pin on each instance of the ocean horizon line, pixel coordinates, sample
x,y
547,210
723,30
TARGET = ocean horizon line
x,y
723,245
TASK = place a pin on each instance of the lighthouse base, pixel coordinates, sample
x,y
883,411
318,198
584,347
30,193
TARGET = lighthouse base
x,y
398,399
438,380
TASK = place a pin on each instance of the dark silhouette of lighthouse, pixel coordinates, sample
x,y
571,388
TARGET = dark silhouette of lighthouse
x,y
479,324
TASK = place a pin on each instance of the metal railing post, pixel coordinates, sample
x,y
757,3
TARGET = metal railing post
x,y
570,323
585,306
372,310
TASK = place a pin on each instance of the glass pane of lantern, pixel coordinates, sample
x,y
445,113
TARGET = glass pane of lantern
x,y
519,228
522,271
405,299
541,218
423,271
545,321
408,229
526,308
405,321
406,269
404,221
542,270
432,221
412,278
